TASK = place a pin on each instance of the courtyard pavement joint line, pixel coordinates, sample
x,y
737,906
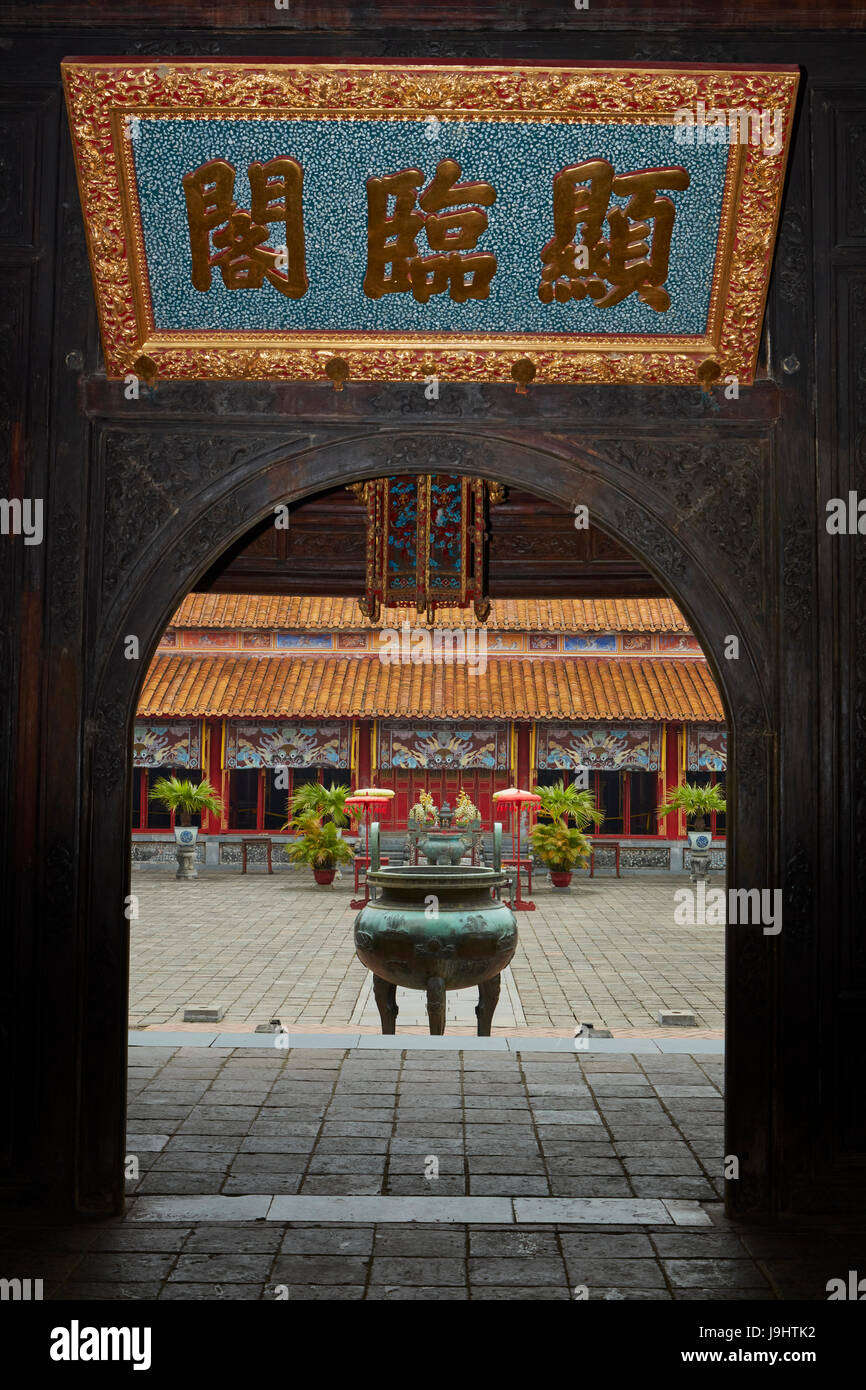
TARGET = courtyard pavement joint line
x,y
483,1211
415,1042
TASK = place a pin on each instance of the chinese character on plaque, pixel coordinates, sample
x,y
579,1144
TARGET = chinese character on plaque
x,y
225,237
634,257
391,235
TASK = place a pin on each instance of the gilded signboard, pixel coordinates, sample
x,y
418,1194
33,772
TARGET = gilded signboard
x,y
551,223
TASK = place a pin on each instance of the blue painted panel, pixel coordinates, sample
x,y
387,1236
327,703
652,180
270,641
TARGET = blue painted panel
x,y
518,158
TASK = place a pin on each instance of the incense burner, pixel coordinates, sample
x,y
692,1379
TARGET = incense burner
x,y
436,927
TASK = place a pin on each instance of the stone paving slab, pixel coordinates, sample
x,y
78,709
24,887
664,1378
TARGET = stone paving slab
x,y
450,1042
609,952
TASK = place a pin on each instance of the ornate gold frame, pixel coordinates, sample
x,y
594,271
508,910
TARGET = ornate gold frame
x,y
101,94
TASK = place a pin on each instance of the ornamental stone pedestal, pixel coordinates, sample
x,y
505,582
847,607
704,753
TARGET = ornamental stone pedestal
x,y
186,863
700,866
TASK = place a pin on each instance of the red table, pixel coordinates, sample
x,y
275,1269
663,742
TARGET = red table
x,y
522,865
362,861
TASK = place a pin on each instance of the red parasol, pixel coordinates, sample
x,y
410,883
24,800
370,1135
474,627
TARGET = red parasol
x,y
518,798
365,798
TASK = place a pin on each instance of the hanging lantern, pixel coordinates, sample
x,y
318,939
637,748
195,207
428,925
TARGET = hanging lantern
x,y
426,543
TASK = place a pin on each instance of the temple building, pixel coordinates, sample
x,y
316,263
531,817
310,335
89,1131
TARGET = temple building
x,y
262,694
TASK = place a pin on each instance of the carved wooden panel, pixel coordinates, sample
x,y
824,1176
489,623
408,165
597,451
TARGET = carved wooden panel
x,y
18,146
851,175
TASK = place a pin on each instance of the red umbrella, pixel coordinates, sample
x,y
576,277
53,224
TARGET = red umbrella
x,y
365,799
517,798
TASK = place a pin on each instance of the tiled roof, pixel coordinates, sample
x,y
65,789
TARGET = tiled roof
x,y
515,615
513,688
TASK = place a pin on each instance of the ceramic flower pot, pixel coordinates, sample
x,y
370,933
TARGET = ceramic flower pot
x,y
186,835
700,839
560,878
324,876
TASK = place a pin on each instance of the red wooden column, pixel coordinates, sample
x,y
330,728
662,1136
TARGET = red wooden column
x,y
524,771
669,826
364,769
213,772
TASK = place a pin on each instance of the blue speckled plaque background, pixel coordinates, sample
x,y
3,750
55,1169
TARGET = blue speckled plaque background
x,y
519,159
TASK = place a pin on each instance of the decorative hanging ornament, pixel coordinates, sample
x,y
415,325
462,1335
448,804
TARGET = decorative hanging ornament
x,y
426,543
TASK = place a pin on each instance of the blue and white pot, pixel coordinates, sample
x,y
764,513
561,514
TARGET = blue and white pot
x,y
700,839
186,836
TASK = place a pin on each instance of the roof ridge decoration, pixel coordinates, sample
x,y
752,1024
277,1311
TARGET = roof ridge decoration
x,y
217,254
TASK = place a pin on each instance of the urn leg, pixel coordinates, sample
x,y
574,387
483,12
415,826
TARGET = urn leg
x,y
385,995
436,1004
488,998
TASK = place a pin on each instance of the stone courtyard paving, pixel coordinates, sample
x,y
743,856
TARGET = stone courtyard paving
x,y
609,952
307,1174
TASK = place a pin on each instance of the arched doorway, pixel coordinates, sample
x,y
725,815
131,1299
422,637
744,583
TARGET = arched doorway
x,y
146,583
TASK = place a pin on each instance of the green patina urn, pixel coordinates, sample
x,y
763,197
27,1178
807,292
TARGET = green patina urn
x,y
435,927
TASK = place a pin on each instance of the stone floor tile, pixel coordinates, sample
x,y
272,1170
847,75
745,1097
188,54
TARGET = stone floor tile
x,y
519,1293
111,1292
425,1293
713,1273
319,1269
231,1266
588,1185
692,1188
307,1293
327,1240
676,1243
524,1270
223,1239
628,1293
612,1272
416,1185
420,1270
205,1293
136,1266
513,1243
142,1238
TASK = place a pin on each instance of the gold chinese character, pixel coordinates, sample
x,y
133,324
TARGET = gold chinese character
x,y
216,221
391,237
626,261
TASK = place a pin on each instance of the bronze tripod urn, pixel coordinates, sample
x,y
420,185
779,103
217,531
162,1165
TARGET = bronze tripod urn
x,y
436,927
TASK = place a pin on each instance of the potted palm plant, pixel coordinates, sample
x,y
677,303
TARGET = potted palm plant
x,y
559,845
698,803
186,799
313,799
320,845
565,804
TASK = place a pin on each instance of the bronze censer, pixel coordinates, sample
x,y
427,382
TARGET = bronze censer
x,y
436,927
